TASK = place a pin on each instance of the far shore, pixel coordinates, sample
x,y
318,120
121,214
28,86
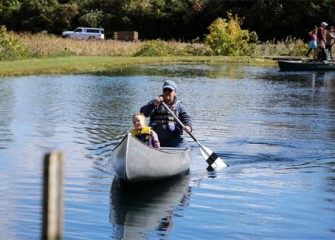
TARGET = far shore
x,y
102,64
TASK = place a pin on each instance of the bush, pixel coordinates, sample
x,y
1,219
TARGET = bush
x,y
10,46
227,38
154,48
286,47
197,50
299,48
173,48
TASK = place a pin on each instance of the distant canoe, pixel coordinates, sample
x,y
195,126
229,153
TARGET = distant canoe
x,y
135,161
306,66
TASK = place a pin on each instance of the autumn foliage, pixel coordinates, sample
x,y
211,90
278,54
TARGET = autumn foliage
x,y
226,37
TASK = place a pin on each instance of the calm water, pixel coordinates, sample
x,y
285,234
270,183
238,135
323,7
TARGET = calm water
x,y
276,131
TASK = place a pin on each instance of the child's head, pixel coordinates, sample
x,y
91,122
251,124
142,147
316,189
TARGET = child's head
x,y
139,121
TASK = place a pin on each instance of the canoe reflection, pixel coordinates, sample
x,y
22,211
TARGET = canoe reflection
x,y
136,209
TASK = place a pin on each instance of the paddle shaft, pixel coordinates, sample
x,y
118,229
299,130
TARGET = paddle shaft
x,y
211,157
179,122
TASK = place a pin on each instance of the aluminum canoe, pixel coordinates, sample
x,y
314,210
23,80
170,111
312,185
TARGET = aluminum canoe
x,y
135,161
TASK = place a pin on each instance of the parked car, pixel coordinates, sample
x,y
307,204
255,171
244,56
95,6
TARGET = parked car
x,y
85,33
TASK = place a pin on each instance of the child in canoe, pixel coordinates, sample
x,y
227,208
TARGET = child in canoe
x,y
143,132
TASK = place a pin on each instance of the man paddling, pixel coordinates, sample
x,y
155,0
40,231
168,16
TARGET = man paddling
x,y
162,122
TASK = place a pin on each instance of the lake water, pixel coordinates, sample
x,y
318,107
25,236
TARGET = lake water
x,y
276,131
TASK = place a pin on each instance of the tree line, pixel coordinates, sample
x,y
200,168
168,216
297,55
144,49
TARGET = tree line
x,y
185,20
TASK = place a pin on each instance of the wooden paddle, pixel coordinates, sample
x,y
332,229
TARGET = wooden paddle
x,y
212,159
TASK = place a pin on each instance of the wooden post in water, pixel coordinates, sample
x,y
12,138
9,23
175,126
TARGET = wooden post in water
x,y
52,226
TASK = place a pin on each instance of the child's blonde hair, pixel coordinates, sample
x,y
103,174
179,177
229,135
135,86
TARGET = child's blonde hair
x,y
140,115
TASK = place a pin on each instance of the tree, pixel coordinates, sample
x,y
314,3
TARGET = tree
x,y
91,19
168,19
65,16
37,15
8,9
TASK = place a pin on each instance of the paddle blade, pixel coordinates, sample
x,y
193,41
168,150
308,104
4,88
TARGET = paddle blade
x,y
213,160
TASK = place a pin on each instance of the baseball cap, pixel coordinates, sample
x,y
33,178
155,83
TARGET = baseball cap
x,y
170,84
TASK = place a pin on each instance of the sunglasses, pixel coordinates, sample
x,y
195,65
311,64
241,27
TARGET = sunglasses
x,y
167,90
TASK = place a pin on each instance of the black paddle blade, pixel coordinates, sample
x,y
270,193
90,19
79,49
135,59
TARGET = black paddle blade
x,y
213,160
210,160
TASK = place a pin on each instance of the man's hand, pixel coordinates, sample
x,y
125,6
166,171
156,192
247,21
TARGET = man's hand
x,y
187,129
158,100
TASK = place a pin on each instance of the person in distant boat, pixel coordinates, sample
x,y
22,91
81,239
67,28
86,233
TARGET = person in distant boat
x,y
330,41
143,132
312,44
168,130
321,39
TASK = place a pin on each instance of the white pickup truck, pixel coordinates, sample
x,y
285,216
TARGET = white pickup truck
x,y
85,33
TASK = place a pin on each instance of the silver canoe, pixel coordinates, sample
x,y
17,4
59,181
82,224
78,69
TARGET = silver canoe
x,y
134,161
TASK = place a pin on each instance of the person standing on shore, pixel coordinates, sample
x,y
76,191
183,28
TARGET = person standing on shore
x,y
321,39
312,44
330,41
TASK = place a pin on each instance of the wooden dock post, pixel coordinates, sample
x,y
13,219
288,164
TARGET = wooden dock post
x,y
52,224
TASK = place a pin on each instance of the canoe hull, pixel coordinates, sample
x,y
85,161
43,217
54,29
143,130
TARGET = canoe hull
x,y
305,66
133,160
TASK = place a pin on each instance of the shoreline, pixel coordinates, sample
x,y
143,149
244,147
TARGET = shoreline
x,y
99,64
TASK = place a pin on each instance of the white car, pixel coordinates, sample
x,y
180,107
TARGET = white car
x,y
85,33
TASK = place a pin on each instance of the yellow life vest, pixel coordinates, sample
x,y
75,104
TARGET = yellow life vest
x,y
144,130
143,135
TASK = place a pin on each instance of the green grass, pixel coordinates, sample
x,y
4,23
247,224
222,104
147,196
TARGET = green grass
x,y
50,54
96,64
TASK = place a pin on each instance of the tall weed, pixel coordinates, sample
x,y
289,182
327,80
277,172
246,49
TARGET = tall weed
x,y
287,47
15,46
10,46
172,48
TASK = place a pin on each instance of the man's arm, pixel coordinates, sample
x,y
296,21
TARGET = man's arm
x,y
148,108
185,118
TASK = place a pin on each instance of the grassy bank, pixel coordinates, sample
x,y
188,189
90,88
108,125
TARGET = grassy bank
x,y
100,64
49,54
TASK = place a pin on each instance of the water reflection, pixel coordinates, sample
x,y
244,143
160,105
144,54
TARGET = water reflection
x,y
319,79
6,108
232,71
136,209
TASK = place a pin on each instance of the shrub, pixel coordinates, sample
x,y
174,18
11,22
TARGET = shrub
x,y
10,46
286,47
227,38
172,48
197,50
154,48
299,48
